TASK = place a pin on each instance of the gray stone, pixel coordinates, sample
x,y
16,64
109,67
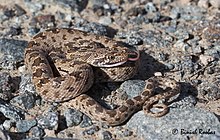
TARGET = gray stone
x,y
73,117
25,125
49,121
91,130
105,135
37,132
133,87
13,52
25,100
176,121
86,122
10,111
105,20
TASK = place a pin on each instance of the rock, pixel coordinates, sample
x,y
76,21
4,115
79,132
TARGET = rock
x,y
37,132
86,122
25,125
205,59
26,100
105,135
10,112
73,117
91,130
133,87
13,52
49,121
105,20
174,123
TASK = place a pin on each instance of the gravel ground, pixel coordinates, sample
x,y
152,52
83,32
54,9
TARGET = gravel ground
x,y
177,38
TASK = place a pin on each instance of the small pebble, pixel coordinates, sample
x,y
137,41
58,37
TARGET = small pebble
x,y
86,122
73,117
37,132
105,135
91,130
49,121
205,59
105,20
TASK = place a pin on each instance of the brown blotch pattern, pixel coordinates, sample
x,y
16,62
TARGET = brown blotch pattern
x,y
123,108
90,102
37,73
99,109
37,61
145,93
64,37
44,92
138,98
130,102
111,113
150,86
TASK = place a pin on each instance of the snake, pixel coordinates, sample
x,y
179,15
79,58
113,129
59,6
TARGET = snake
x,y
65,63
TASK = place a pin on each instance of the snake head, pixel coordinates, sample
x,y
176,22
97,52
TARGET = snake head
x,y
112,57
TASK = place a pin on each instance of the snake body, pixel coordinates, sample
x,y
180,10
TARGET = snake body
x,y
66,62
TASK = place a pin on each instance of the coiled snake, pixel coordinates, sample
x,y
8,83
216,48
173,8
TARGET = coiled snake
x,y
66,62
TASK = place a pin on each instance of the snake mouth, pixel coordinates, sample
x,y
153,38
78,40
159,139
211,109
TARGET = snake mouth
x,y
133,56
112,64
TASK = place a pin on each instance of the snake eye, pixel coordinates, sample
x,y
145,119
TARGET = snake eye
x,y
112,57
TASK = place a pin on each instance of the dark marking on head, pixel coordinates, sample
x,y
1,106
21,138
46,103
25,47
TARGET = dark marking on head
x,y
123,108
130,102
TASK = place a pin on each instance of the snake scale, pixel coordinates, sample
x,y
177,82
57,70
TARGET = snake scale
x,y
66,62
